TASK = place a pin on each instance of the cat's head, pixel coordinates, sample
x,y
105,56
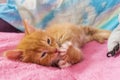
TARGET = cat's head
x,y
36,47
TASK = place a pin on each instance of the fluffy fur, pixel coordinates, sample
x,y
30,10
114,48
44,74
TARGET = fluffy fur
x,y
57,45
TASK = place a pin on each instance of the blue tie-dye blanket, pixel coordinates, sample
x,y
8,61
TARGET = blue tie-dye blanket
x,y
40,13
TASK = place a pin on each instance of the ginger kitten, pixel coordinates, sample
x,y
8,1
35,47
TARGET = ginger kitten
x,y
57,45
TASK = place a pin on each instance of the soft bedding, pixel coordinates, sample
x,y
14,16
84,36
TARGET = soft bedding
x,y
95,66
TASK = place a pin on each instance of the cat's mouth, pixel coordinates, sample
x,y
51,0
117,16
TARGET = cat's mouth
x,y
55,63
56,60
59,55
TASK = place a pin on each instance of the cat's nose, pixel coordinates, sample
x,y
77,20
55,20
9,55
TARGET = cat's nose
x,y
53,50
60,51
56,51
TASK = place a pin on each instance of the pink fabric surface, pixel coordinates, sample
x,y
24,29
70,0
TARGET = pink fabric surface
x,y
95,66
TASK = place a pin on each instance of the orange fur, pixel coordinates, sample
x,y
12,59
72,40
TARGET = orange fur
x,y
45,47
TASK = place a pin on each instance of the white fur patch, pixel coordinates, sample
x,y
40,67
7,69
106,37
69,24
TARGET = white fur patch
x,y
66,44
64,47
63,64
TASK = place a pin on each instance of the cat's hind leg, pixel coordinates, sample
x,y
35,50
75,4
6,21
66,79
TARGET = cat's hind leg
x,y
97,34
101,35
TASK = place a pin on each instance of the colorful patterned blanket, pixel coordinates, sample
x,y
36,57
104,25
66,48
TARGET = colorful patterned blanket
x,y
40,13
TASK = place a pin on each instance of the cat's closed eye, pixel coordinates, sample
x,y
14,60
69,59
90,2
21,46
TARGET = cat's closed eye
x,y
48,41
43,54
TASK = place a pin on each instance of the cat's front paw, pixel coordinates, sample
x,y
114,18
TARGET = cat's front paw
x,y
63,49
63,64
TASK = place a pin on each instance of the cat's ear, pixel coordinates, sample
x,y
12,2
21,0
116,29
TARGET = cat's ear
x,y
13,54
28,28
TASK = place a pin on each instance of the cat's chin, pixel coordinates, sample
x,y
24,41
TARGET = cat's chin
x,y
60,63
55,63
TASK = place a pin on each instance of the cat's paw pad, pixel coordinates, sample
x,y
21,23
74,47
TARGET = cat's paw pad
x,y
63,64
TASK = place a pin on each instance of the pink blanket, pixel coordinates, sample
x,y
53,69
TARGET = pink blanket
x,y
95,66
